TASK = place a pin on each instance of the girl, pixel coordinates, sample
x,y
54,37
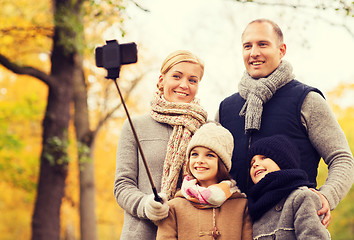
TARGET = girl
x,y
281,204
164,135
209,204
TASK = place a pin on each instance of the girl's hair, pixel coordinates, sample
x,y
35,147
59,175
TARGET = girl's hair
x,y
177,57
222,174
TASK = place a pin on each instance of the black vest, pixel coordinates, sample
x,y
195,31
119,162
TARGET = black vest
x,y
281,115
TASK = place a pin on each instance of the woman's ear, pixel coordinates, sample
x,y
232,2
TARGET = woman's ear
x,y
160,83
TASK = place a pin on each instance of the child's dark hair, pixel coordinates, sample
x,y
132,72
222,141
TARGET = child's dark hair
x,y
222,174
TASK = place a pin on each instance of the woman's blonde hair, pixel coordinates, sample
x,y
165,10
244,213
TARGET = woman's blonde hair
x,y
177,57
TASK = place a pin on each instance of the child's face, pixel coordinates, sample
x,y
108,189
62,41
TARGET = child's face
x,y
203,164
260,166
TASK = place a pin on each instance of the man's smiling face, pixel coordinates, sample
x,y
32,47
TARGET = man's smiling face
x,y
262,51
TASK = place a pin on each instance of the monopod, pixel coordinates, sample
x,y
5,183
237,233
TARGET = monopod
x,y
111,56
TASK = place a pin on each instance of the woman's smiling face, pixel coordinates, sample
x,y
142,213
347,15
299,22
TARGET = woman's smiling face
x,y
181,82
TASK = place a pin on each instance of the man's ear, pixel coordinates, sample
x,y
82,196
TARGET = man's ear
x,y
282,50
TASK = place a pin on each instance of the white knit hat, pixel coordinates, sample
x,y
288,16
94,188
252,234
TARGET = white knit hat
x,y
215,137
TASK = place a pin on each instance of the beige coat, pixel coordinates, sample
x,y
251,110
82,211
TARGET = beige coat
x,y
186,222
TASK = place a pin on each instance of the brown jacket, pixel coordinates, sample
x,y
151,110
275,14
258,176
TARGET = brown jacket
x,y
186,222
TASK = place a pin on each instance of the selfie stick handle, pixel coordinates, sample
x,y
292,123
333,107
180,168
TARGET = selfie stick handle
x,y
157,197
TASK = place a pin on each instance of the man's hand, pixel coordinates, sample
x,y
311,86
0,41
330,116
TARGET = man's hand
x,y
325,208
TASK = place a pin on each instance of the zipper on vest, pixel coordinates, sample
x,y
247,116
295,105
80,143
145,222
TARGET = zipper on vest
x,y
248,162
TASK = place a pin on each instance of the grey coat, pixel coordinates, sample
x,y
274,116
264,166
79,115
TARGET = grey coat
x,y
293,218
131,185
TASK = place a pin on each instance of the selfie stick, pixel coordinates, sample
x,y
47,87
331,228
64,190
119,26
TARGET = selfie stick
x,y
111,56
157,197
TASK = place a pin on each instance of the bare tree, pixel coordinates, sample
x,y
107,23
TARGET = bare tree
x,y
341,7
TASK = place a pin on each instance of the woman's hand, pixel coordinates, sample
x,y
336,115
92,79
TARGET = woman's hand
x,y
155,210
324,210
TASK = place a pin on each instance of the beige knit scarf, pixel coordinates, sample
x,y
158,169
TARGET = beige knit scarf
x,y
185,118
257,92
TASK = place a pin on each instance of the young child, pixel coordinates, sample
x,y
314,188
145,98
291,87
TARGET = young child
x,y
209,204
280,203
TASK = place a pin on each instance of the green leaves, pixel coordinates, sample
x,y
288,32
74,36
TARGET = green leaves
x,y
56,151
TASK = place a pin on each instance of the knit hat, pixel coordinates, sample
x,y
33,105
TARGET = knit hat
x,y
280,148
215,137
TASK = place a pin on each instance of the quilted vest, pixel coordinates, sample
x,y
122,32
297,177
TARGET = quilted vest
x,y
281,115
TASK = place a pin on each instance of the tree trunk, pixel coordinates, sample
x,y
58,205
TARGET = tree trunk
x,y
54,159
87,201
85,140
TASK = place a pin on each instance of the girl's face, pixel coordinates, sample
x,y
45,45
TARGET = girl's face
x,y
203,164
260,166
180,83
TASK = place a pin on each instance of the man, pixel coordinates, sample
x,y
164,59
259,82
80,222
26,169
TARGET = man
x,y
270,101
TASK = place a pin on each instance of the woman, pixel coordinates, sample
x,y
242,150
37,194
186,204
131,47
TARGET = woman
x,y
164,135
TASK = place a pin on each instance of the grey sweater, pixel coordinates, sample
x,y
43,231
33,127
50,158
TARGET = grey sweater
x,y
328,138
293,218
131,185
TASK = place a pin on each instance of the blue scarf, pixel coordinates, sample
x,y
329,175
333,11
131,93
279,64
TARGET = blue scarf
x,y
274,187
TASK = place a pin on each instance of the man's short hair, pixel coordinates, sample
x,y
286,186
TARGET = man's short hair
x,y
275,26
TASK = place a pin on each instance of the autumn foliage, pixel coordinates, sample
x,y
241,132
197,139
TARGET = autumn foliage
x,y
26,29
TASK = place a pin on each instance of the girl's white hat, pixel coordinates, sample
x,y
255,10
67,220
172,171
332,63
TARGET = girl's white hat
x,y
215,137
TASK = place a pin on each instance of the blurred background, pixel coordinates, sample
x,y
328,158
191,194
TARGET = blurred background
x,y
60,119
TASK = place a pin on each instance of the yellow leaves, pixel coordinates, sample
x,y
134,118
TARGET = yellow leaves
x,y
16,213
341,100
22,103
25,13
109,214
25,30
6,40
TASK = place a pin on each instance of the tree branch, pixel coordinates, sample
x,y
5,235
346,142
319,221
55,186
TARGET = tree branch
x,y
320,6
30,31
139,6
25,70
350,31
110,113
